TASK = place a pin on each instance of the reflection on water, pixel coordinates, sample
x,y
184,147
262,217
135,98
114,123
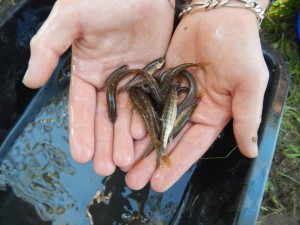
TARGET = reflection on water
x,y
6,5
39,169
37,161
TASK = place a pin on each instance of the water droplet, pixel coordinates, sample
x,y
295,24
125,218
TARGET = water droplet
x,y
126,217
60,210
144,220
220,136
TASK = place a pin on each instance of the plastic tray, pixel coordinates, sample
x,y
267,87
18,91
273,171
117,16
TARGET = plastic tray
x,y
220,191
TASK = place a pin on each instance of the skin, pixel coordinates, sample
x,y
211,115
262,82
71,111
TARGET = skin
x,y
104,34
235,82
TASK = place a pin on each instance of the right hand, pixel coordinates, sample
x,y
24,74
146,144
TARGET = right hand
x,y
104,34
234,81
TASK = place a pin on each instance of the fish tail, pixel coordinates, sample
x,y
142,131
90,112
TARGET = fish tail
x,y
163,162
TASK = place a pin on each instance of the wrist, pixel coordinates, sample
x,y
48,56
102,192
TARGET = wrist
x,y
263,3
257,7
227,25
227,17
172,3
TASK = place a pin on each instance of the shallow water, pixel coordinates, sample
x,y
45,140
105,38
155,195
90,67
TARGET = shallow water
x,y
19,21
6,6
39,169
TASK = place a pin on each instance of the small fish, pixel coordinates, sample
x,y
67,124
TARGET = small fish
x,y
149,108
142,103
112,76
155,65
153,86
191,94
150,68
167,78
168,119
183,118
111,92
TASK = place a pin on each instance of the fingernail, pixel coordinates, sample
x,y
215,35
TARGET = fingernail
x,y
254,152
25,77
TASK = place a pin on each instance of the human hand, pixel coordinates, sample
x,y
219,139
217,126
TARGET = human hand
x,y
104,35
234,81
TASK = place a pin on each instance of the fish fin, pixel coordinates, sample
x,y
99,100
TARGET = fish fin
x,y
164,162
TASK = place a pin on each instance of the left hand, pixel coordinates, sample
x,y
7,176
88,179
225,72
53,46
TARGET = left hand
x,y
234,81
104,34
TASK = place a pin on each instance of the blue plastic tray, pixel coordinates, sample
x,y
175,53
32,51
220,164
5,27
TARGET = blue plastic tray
x,y
223,191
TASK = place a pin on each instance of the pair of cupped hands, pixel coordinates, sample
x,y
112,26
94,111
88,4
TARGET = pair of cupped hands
x,y
107,34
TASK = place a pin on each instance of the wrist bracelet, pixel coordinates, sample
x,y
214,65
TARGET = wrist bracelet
x,y
211,4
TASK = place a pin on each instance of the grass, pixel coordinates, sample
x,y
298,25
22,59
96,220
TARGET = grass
x,y
282,193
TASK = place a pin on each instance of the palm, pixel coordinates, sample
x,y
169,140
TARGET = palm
x,y
130,32
234,82
104,35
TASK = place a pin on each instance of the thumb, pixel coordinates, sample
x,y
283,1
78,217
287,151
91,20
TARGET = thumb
x,y
52,40
247,110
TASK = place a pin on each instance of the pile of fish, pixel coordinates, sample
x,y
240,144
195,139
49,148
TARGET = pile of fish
x,y
154,96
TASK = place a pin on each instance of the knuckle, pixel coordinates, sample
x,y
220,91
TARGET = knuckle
x,y
35,43
264,76
256,122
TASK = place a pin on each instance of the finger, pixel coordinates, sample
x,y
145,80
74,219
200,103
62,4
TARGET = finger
x,y
143,169
138,128
190,148
139,147
141,173
210,119
247,111
103,157
53,39
123,154
82,103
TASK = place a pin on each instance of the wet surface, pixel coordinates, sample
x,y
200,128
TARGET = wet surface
x,y
22,214
19,21
6,6
39,181
38,169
